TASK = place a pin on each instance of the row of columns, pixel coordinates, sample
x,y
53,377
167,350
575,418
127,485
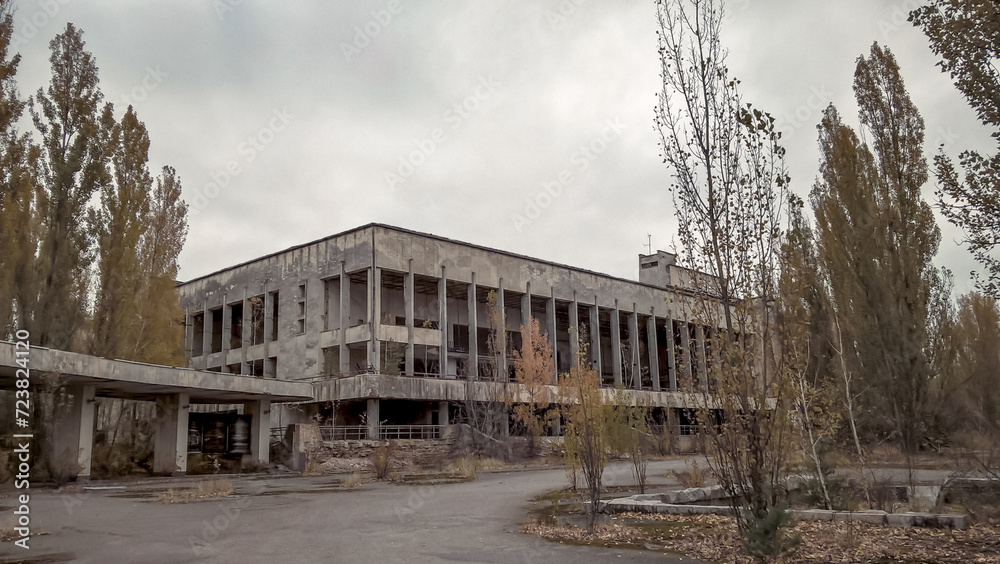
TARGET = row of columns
x,y
374,288
227,327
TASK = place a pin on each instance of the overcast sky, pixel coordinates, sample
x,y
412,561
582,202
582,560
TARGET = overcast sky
x,y
290,121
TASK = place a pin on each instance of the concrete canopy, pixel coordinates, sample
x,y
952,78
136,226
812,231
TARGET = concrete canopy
x,y
137,381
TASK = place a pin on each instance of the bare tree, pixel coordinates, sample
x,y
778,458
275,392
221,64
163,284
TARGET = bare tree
x,y
730,188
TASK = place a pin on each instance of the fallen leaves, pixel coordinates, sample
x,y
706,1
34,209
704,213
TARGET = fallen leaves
x,y
714,538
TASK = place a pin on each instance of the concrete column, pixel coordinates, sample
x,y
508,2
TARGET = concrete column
x,y
526,315
260,430
443,322
170,442
345,319
574,334
671,361
443,413
375,319
227,329
188,334
687,362
616,345
550,322
700,344
633,345
268,318
504,375
373,418
595,337
408,302
473,365
246,335
652,349
206,333
73,439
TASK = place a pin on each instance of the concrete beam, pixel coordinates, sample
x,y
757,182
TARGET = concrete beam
x,y
170,441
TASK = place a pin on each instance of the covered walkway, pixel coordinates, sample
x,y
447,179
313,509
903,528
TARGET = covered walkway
x,y
87,377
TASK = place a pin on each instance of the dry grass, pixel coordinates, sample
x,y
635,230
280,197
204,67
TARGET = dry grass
x,y
313,468
354,480
464,467
220,487
487,463
713,538
693,477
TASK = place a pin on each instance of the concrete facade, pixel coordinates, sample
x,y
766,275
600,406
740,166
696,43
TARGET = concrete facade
x,y
412,308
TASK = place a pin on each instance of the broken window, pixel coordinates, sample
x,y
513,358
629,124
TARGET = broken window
x,y
217,330
236,326
198,334
274,316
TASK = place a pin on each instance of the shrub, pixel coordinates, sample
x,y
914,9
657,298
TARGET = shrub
x,y
766,537
695,477
381,460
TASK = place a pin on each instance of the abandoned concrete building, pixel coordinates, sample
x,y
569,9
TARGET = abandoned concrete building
x,y
392,326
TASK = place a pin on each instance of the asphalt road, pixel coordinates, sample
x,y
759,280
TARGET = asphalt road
x,y
297,519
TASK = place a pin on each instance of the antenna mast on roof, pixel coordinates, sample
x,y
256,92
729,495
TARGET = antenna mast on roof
x,y
649,244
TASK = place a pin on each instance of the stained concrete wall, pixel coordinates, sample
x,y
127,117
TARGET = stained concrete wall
x,y
373,252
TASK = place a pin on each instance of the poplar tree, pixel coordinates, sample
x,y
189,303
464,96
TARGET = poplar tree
x,y
18,194
876,238
69,119
121,222
160,338
966,35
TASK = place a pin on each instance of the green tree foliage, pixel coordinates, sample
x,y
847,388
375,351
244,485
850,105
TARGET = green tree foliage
x,y
805,335
141,227
19,192
966,35
876,240
120,223
161,334
69,119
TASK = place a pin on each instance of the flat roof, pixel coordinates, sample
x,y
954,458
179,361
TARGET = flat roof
x,y
445,240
